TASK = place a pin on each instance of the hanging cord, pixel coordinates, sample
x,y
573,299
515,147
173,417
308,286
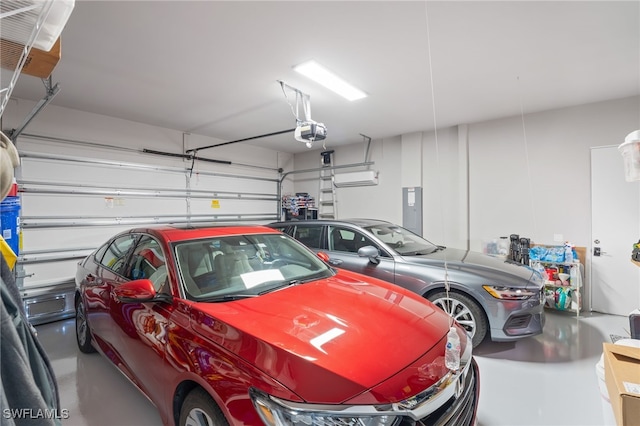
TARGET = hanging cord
x,y
526,156
447,285
188,178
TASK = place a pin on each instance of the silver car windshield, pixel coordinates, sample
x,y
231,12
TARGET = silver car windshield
x,y
402,241
233,267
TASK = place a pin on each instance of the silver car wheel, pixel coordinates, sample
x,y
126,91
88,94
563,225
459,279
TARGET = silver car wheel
x,y
459,312
197,417
466,311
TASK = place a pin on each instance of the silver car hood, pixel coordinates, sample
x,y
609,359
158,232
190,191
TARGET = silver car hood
x,y
472,261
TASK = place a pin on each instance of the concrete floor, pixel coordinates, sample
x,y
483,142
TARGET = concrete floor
x,y
546,380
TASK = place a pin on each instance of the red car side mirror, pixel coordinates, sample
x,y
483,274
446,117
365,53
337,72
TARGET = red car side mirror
x,y
324,256
136,291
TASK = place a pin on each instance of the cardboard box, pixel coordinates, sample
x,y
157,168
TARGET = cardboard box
x,y
622,376
39,63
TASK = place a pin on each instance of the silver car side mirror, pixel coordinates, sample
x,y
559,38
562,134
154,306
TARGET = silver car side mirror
x,y
371,252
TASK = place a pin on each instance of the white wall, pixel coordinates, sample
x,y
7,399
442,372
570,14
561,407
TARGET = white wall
x,y
445,184
410,160
383,201
539,185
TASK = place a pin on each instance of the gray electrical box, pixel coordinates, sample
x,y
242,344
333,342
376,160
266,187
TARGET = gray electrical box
x,y
412,209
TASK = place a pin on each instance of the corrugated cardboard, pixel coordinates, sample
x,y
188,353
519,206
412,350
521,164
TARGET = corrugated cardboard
x,y
622,376
39,63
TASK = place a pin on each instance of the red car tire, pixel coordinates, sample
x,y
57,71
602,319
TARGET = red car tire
x,y
83,333
199,409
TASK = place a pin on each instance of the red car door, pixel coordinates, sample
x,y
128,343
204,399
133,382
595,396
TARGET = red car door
x,y
101,275
141,328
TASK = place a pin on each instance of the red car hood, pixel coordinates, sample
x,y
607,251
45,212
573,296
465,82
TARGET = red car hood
x,y
331,339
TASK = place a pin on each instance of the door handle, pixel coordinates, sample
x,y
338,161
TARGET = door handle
x,y
335,261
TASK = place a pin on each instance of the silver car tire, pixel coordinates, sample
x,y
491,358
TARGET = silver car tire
x,y
83,333
199,409
465,311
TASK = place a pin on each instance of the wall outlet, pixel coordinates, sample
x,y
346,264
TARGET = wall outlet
x,y
558,238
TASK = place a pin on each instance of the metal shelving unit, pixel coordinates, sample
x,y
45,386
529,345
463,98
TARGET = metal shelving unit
x,y
20,24
576,281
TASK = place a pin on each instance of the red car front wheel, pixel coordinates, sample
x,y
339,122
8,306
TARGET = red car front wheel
x,y
83,334
199,409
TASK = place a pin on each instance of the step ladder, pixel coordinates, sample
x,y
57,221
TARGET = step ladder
x,y
327,202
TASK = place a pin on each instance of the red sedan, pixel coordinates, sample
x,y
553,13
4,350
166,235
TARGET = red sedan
x,y
243,325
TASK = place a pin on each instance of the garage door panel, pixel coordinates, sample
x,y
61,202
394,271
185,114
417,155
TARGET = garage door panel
x,y
74,206
231,207
80,174
223,184
40,274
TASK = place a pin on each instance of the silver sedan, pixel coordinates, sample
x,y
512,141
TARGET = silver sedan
x,y
488,296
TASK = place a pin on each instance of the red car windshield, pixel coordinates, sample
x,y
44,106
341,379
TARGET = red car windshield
x,y
231,267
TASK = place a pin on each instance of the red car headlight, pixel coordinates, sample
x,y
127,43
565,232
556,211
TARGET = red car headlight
x,y
275,412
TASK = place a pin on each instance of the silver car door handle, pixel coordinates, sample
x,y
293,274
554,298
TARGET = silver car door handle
x,y
335,261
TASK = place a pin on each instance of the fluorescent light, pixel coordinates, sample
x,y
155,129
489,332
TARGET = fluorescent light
x,y
323,76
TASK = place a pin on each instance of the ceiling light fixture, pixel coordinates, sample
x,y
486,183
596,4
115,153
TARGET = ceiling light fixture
x,y
323,76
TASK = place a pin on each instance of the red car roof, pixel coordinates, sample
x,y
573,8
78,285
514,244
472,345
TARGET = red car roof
x,y
184,233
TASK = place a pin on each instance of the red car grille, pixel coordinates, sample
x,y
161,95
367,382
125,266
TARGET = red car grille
x,y
456,412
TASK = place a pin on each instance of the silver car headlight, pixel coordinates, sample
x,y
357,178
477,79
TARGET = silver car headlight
x,y
510,293
276,412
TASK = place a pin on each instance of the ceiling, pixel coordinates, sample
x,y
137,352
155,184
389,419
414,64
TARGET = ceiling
x,y
211,67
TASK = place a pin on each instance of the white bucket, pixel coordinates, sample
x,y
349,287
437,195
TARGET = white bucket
x,y
630,150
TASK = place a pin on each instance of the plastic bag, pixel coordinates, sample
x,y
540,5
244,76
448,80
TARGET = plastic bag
x,y
547,254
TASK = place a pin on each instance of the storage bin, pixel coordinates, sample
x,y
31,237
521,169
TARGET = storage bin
x,y
10,222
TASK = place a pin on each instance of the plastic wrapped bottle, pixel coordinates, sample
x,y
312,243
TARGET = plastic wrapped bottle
x,y
573,274
568,253
452,350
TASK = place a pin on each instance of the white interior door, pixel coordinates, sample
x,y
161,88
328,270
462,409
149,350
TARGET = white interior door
x,y
615,227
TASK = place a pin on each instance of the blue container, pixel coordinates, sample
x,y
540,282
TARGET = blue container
x,y
10,222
